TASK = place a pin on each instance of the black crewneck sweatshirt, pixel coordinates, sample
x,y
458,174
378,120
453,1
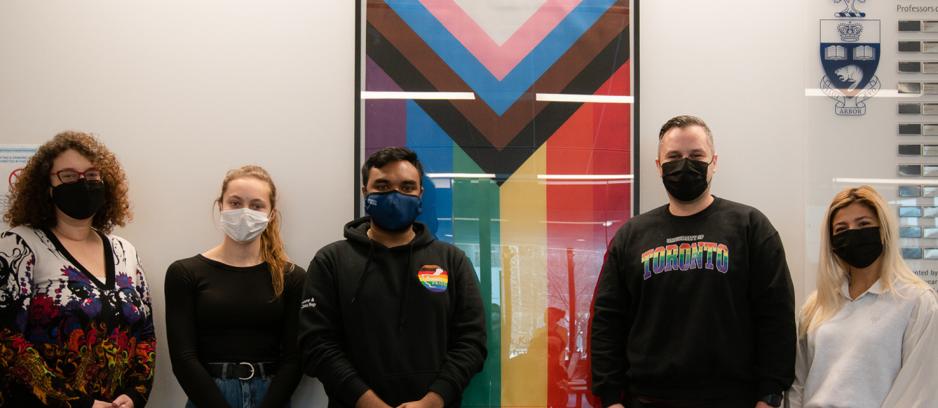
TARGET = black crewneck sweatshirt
x,y
694,308
400,321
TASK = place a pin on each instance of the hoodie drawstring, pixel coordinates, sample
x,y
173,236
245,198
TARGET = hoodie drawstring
x,y
361,280
402,319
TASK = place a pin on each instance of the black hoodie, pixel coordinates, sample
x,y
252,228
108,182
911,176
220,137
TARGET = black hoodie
x,y
400,321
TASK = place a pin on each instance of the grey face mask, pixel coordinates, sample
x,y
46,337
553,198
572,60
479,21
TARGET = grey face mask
x,y
243,224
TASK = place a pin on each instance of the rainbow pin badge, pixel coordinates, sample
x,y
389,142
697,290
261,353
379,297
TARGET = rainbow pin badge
x,y
433,278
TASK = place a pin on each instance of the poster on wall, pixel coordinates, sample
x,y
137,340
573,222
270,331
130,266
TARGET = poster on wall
x,y
13,159
874,117
523,115
916,165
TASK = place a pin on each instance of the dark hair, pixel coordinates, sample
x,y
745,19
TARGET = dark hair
x,y
30,203
389,155
683,121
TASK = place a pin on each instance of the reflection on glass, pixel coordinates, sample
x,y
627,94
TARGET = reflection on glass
x,y
910,46
931,232
910,67
912,253
929,191
930,253
930,67
930,109
537,241
910,191
930,26
910,232
910,211
910,170
910,109
910,149
909,87
929,47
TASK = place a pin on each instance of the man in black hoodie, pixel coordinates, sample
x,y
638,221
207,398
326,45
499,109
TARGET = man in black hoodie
x,y
694,306
391,316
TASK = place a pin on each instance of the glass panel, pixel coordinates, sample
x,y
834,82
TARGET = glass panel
x,y
910,109
910,191
529,186
930,67
910,25
910,46
910,150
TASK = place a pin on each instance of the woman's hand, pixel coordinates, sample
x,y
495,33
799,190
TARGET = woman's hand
x,y
123,401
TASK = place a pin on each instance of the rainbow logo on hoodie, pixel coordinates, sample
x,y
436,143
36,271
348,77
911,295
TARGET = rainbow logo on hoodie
x,y
433,278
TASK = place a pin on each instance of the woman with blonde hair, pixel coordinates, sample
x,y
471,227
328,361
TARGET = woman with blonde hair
x,y
76,326
231,311
868,335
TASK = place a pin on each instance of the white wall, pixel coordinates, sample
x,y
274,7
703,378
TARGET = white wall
x,y
740,66
182,91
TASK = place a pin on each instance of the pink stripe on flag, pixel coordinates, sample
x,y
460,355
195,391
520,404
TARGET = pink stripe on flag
x,y
500,59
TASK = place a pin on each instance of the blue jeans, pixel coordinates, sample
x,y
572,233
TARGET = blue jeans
x,y
242,394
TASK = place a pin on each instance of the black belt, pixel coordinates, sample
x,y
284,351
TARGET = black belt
x,y
242,371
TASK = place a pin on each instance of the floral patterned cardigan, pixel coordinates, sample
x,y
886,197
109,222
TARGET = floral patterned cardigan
x,y
66,337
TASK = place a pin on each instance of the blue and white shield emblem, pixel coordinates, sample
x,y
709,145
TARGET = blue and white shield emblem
x,y
850,50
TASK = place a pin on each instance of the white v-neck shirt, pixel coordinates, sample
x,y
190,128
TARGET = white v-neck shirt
x,y
879,350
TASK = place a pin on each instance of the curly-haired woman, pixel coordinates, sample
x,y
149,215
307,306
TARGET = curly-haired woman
x,y
76,327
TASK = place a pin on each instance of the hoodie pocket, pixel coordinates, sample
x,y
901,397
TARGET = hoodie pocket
x,y
398,388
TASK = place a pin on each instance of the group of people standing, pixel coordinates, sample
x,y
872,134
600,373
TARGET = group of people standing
x,y
694,306
388,317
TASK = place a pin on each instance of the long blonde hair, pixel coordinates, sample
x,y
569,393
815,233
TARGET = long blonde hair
x,y
833,272
272,251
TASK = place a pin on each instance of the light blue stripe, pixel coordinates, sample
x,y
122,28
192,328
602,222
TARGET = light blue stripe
x,y
500,95
434,148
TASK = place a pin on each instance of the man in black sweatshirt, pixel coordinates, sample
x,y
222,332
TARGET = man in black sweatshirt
x,y
694,306
390,316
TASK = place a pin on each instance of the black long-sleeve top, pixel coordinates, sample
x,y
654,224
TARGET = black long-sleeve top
x,y
694,308
221,313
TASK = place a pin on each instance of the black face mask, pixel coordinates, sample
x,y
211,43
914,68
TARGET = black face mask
x,y
685,179
858,247
79,200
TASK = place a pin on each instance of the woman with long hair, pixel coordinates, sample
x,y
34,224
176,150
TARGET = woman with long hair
x,y
76,326
231,311
868,337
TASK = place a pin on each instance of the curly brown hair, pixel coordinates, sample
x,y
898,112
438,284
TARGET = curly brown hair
x,y
30,201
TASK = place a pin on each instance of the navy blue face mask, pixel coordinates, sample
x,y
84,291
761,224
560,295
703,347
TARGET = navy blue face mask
x,y
392,211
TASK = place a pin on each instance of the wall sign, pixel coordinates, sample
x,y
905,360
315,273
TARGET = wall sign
x,y
13,159
850,52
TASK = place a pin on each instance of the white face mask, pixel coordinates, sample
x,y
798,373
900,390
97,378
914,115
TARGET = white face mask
x,y
243,224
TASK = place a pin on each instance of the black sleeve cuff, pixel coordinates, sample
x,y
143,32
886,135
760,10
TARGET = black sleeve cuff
x,y
446,390
610,398
353,389
768,388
